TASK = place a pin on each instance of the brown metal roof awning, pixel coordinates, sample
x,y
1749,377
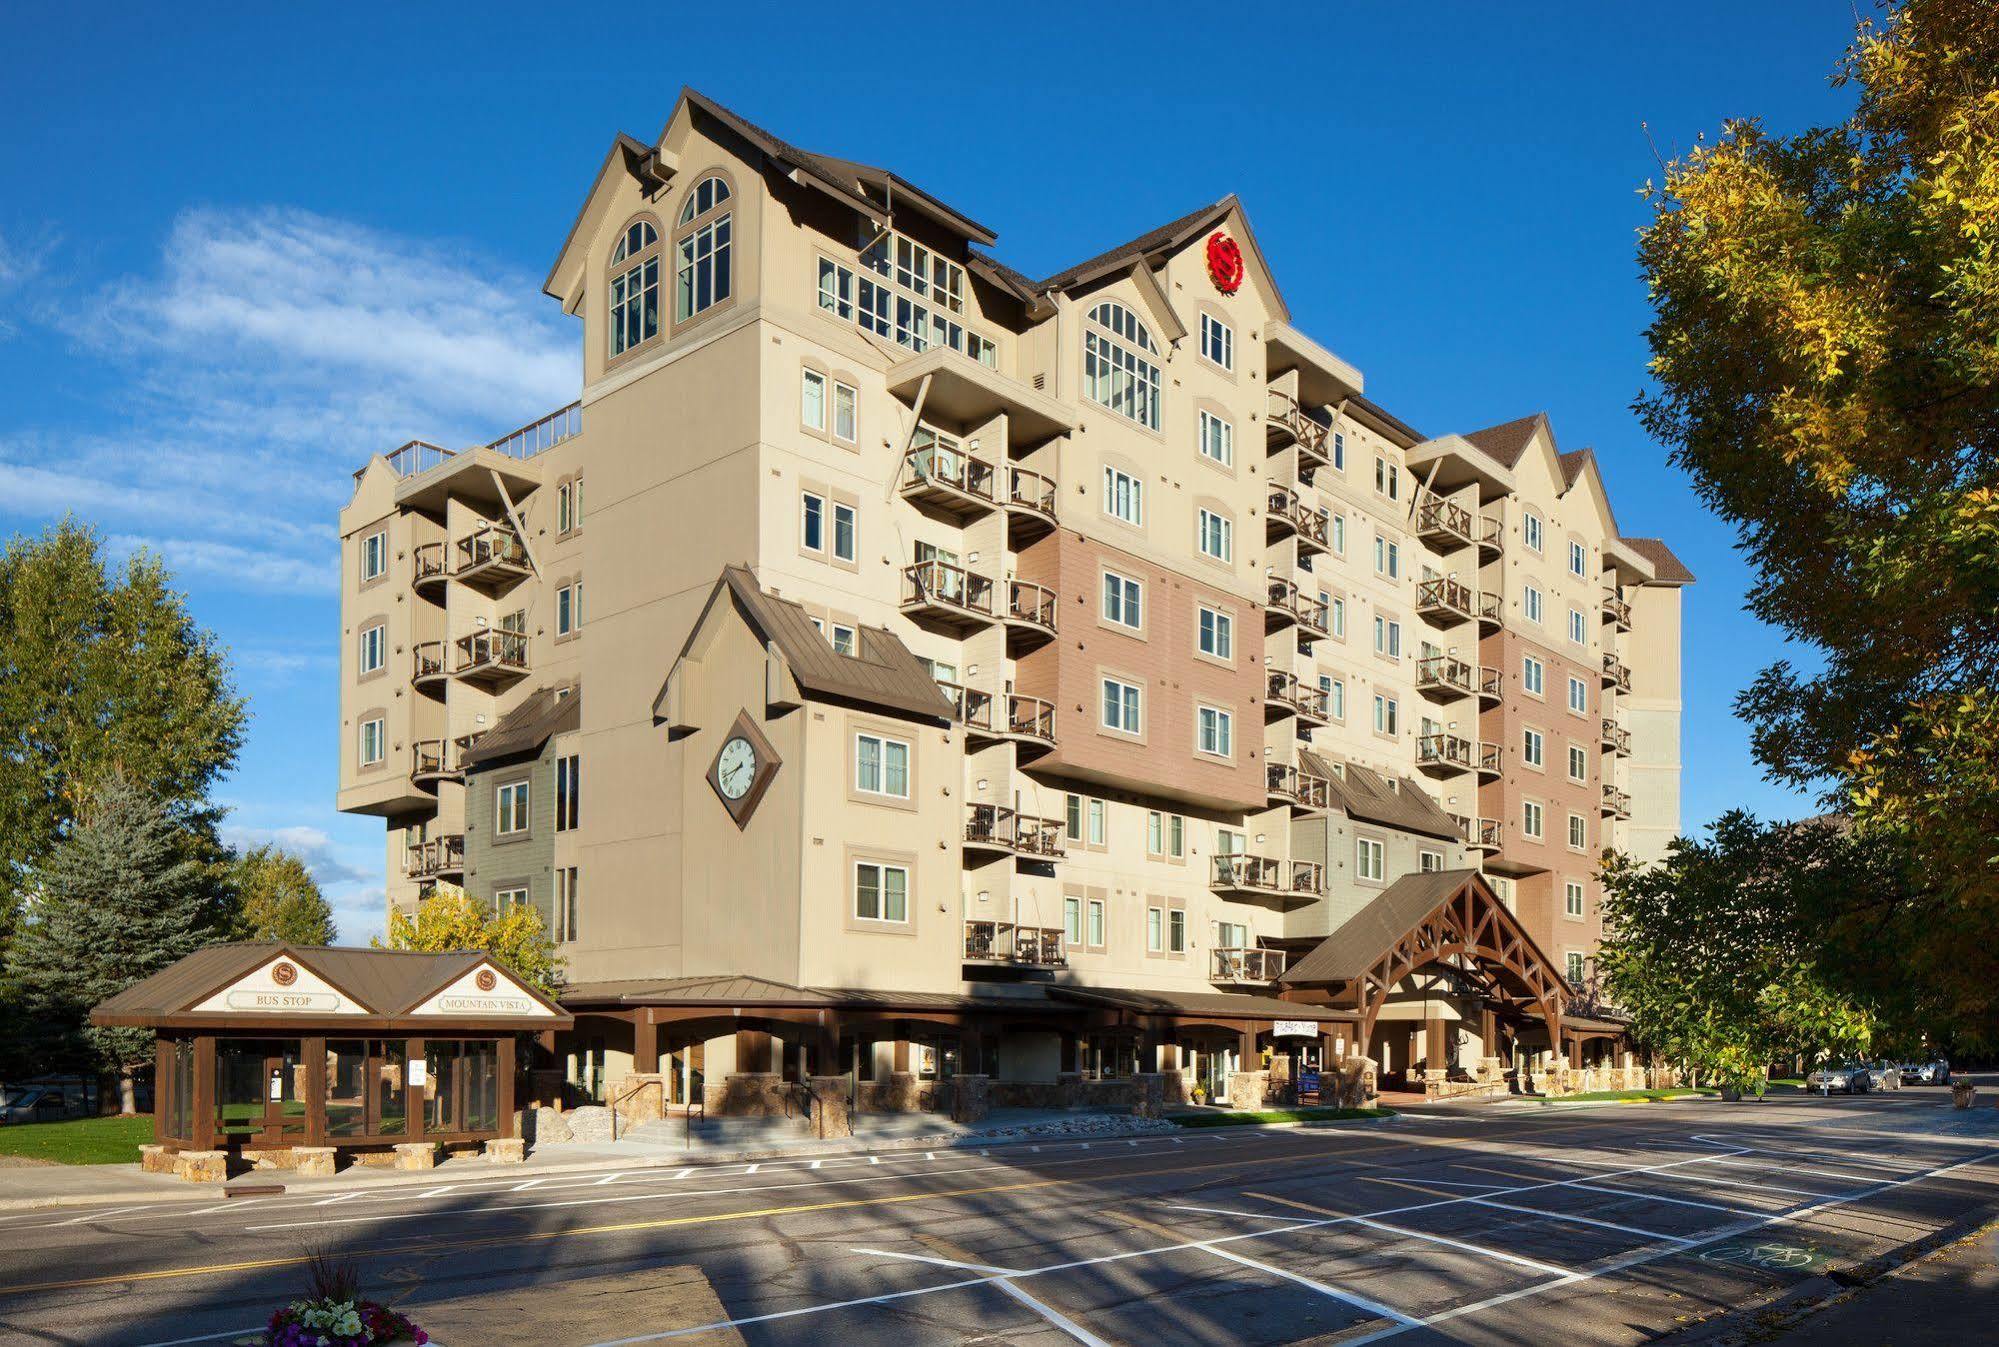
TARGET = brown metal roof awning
x,y
1210,1005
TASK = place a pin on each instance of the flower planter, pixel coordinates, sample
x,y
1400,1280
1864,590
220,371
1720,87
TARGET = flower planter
x,y
1731,1093
340,1323
1962,1093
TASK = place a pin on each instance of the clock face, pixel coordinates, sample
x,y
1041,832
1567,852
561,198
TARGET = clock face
x,y
736,768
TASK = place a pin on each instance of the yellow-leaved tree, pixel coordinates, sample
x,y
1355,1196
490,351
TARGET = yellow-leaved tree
x,y
448,920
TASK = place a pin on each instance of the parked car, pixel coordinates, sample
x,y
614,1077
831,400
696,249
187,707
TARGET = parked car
x,y
1884,1076
1926,1073
32,1103
1846,1078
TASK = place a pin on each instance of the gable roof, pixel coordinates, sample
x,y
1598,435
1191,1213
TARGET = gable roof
x,y
543,713
1167,238
882,673
1508,440
1349,951
1368,796
1669,569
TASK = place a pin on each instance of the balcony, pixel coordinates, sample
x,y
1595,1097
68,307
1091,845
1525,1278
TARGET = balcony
x,y
1491,613
1028,721
1285,784
430,568
435,760
998,830
1242,965
1615,674
1444,525
945,595
1490,535
491,559
1030,506
1287,424
1004,942
1616,611
1029,615
1442,754
948,480
491,659
1615,739
1488,760
428,668
1480,834
1288,515
1288,604
1443,601
1291,883
1443,678
438,858
1285,694
1616,803
1491,685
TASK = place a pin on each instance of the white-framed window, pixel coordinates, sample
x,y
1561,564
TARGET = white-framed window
x,y
1387,637
842,638
702,269
1339,440
1530,530
1166,834
1429,861
1124,601
846,532
1124,496
881,892
374,651
1387,478
812,521
375,555
1119,369
565,903
1072,818
568,792
1336,616
1531,819
1532,747
374,741
1572,901
881,766
1176,930
1578,558
1578,763
1387,714
1217,439
510,808
1218,341
1096,931
1387,557
812,399
1121,710
569,505
568,607
1155,930
1099,822
905,292
1370,859
1533,675
846,412
635,287
1578,832
1217,536
1217,633
1336,533
1072,920
1336,695
505,900
1530,602
1214,731
1578,695
1574,962
1578,633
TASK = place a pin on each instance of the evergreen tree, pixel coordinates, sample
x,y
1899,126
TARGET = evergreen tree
x,y
278,899
116,900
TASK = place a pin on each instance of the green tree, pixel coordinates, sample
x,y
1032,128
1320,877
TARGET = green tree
x,y
449,920
1826,348
278,899
102,673
116,900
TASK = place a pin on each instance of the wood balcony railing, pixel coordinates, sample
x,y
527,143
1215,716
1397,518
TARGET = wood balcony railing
x,y
1615,737
492,653
1443,600
999,828
1288,424
438,759
1616,610
1288,603
1299,788
1030,499
1490,535
973,708
949,477
1443,524
943,589
1616,803
1030,717
1285,691
1238,872
1288,514
492,550
1491,611
1006,942
1032,604
1439,752
427,661
1479,833
1616,674
429,564
436,858
1491,683
1239,964
1444,674
1488,758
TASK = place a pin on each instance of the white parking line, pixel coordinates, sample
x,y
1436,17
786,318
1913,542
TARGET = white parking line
x,y
1241,1215
942,1262
1052,1315
1753,1187
1576,1219
1660,1197
331,1201
1499,1254
1357,1301
1789,1168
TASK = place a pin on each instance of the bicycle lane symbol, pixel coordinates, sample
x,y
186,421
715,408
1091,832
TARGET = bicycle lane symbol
x,y
1765,1256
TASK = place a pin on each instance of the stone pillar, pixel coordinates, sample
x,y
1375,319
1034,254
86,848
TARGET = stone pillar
x,y
971,1098
1069,1089
202,1166
1491,1072
830,1117
506,1151
313,1162
157,1159
905,1093
1151,1095
1246,1090
416,1155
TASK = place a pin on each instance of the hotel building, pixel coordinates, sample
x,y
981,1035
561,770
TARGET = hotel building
x,y
897,666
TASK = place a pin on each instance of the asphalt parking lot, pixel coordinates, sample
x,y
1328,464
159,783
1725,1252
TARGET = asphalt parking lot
x,y
1486,1225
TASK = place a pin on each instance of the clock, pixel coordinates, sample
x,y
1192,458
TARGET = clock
x,y
742,768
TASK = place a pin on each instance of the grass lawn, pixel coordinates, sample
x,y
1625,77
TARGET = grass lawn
x,y
79,1141
1279,1115
1633,1096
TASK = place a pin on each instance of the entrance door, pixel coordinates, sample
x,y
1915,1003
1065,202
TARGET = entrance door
x,y
260,1092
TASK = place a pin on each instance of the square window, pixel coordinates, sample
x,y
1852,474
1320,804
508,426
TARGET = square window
x,y
881,766
881,892
1121,706
1124,496
510,808
1370,859
1217,439
1217,536
1214,731
842,639
1429,861
374,741
1124,601
1217,633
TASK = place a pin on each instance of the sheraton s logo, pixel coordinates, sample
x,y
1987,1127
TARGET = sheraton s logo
x,y
486,980
284,974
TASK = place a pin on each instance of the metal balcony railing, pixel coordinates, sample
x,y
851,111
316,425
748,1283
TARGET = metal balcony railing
x,y
1288,692
1241,964
1444,752
940,586
1006,942
435,858
496,650
1444,674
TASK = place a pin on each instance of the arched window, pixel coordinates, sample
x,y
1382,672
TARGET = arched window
x,y
635,286
1115,373
703,276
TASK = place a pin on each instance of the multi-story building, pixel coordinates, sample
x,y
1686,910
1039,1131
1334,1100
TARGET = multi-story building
x,y
987,673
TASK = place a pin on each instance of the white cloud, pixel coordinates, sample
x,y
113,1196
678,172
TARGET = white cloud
x,y
311,845
238,567
360,916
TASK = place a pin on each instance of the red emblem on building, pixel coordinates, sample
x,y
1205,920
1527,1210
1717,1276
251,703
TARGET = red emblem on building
x,y
486,980
284,974
1225,267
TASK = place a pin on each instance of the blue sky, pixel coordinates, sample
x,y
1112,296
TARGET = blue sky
x,y
242,248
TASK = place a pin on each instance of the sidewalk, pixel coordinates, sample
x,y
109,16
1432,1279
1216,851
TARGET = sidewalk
x,y
1946,1297
654,1146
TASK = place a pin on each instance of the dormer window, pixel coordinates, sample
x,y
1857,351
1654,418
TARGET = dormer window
x,y
635,287
703,259
1116,369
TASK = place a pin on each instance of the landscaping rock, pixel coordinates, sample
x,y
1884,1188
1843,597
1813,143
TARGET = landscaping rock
x,y
591,1123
